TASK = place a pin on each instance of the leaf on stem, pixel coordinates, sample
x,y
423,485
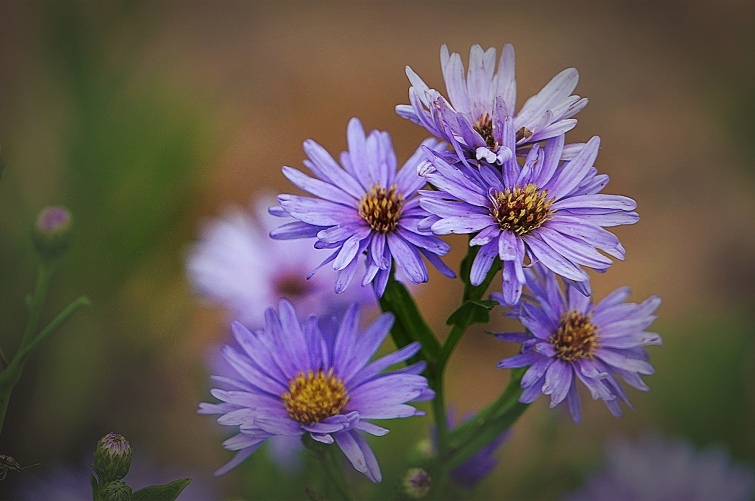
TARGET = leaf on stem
x,y
165,492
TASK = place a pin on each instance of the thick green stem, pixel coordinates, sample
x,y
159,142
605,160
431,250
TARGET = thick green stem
x,y
326,457
44,273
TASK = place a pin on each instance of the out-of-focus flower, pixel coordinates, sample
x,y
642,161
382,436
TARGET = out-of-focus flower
x,y
480,103
655,469
416,483
569,339
292,380
363,206
475,469
236,265
71,482
52,231
542,212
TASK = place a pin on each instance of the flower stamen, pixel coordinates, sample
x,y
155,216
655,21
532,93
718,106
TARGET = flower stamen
x,y
381,208
521,210
575,338
484,127
314,396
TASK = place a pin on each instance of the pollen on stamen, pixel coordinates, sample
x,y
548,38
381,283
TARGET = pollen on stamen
x,y
521,210
576,337
381,208
484,127
315,396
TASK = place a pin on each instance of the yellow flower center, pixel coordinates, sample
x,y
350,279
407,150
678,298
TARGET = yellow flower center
x,y
521,210
381,208
575,338
314,396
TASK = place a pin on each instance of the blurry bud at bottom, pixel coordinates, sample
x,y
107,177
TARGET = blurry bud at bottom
x,y
116,491
416,483
112,458
52,231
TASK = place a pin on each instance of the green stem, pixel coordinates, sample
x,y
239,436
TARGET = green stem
x,y
44,273
328,461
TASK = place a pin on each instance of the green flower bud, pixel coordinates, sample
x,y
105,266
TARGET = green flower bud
x,y
116,491
52,231
112,458
416,483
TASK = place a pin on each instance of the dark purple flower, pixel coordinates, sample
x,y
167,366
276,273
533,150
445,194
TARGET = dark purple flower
x,y
657,469
294,380
363,205
569,339
472,122
545,211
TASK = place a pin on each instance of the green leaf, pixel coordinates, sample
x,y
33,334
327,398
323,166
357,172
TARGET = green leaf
x,y
473,311
409,325
95,487
467,439
165,492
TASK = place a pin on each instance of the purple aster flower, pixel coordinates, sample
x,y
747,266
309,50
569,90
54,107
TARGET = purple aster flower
x,y
480,103
236,264
545,211
366,206
569,339
294,380
654,469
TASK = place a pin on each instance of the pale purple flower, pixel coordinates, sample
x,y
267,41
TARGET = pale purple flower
x,y
545,211
568,339
472,122
656,469
365,206
235,264
292,379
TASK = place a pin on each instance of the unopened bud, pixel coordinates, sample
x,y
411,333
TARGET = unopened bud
x,y
52,231
116,491
112,458
416,483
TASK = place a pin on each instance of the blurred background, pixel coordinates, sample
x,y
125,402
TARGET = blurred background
x,y
146,118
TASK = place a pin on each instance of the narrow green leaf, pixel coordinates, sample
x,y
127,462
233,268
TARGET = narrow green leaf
x,y
95,487
473,311
409,325
165,492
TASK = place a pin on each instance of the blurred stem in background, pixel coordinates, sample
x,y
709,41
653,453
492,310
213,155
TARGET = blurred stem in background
x,y
51,237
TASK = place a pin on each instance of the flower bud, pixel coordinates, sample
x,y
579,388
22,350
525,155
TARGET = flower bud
x,y
416,483
116,491
112,458
52,231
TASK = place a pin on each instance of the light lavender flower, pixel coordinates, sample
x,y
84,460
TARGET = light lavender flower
x,y
655,469
236,265
569,339
545,211
366,206
294,380
480,102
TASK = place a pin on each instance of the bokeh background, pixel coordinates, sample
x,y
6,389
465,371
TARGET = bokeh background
x,y
144,118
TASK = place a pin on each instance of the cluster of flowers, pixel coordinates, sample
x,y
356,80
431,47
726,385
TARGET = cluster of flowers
x,y
505,177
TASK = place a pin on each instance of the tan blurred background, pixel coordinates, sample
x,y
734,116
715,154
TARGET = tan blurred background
x,y
145,118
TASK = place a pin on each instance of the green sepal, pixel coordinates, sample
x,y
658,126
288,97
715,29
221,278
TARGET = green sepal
x,y
473,311
409,325
164,492
95,487
468,438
